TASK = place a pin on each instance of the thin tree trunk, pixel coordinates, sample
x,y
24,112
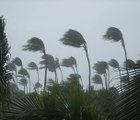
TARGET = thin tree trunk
x,y
46,67
105,80
56,78
125,57
61,73
89,76
73,70
29,85
37,75
120,78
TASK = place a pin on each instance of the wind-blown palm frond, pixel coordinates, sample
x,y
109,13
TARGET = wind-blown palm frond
x,y
32,66
73,38
17,61
113,63
34,44
130,63
113,34
97,79
128,103
24,72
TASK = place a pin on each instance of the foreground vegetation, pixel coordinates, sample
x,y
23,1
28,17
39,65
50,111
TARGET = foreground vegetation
x,y
67,100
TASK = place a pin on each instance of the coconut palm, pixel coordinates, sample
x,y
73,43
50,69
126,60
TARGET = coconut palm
x,y
24,73
115,35
101,68
35,44
75,39
51,64
97,79
23,81
33,66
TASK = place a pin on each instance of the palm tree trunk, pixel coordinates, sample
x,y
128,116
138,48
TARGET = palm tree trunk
x,y
105,75
56,78
37,76
125,57
29,85
89,76
73,70
121,86
61,73
46,67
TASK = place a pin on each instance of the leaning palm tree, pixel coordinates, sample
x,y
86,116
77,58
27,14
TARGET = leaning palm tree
x,y
23,81
101,68
115,35
35,44
33,66
24,73
75,39
51,64
97,79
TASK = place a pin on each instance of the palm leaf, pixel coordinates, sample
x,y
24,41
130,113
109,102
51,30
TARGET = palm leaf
x,y
73,38
113,63
17,61
32,66
34,44
113,34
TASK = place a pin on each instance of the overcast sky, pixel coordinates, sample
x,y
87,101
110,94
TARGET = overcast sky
x,y
50,19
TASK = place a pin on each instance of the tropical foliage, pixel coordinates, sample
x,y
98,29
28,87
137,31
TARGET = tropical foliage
x,y
67,99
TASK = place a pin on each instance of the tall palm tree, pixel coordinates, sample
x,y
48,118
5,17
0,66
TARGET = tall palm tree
x,y
97,80
51,64
101,68
23,81
75,39
24,73
115,35
33,66
4,50
35,44
114,63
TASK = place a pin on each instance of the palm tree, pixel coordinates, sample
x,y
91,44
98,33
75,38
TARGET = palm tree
x,y
101,67
68,63
75,39
35,44
97,80
23,81
115,35
33,66
24,73
51,64
17,61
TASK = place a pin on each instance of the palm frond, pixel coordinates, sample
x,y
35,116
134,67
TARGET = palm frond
x,y
17,61
113,34
32,66
73,38
113,63
24,72
34,44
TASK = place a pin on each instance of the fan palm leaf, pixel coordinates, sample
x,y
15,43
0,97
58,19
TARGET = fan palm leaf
x,y
97,79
